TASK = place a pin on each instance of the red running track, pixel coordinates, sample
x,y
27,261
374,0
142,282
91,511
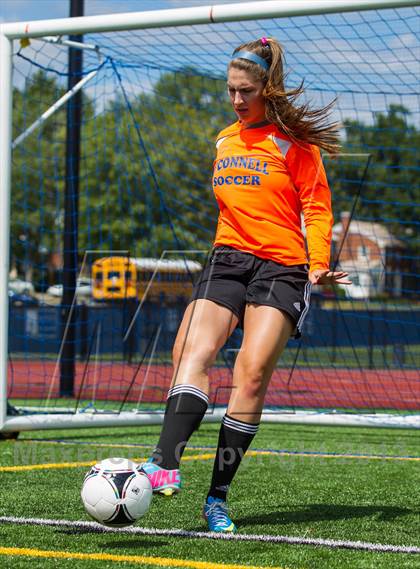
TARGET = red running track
x,y
308,387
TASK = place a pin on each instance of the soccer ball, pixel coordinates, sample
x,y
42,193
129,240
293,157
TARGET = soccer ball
x,y
116,492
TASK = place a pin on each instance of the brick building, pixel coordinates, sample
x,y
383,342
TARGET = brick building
x,y
370,254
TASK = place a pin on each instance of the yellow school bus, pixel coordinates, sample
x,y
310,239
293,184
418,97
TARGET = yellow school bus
x,y
119,278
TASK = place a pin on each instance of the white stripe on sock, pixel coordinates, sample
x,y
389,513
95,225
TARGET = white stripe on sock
x,y
240,426
190,389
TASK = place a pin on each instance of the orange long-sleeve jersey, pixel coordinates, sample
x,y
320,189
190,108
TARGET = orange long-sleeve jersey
x,y
263,182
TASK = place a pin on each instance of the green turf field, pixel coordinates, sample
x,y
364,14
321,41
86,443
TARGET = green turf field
x,y
330,483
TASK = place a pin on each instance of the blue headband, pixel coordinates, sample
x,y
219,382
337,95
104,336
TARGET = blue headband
x,y
251,57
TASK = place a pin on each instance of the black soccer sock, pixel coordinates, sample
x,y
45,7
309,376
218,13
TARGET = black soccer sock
x,y
185,409
234,440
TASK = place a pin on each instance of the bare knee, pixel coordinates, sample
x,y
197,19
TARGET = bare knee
x,y
201,353
252,388
253,380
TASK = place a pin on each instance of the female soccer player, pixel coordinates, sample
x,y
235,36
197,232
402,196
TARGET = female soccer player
x,y
268,170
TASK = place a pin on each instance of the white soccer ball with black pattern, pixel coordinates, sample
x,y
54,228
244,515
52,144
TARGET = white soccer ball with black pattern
x,y
116,492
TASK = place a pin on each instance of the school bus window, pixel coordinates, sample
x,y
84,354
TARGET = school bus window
x,y
127,275
99,276
113,274
147,275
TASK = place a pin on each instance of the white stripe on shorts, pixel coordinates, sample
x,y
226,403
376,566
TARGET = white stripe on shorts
x,y
307,299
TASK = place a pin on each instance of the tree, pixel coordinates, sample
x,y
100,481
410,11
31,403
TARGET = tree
x,y
37,173
149,173
388,193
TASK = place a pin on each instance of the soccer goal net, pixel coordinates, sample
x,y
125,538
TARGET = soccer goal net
x,y
105,237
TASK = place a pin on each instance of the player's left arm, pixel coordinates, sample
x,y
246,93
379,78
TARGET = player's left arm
x,y
326,277
310,179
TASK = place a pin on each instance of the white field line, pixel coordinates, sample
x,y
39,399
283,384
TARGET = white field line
x,y
288,539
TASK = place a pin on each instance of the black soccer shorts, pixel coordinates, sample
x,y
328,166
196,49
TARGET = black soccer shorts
x,y
233,278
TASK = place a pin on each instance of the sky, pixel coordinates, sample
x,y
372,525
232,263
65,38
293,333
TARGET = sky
x,y
364,56
26,10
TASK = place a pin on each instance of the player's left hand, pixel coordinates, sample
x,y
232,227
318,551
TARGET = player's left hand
x,y
325,277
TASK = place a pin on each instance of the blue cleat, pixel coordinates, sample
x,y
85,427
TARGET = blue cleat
x,y
218,520
166,482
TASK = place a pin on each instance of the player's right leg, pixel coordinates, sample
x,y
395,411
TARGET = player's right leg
x,y
204,329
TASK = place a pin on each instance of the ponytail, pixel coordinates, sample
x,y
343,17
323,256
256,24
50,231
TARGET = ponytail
x,y
299,122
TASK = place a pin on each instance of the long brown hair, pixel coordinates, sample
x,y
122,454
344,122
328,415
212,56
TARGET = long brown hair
x,y
299,122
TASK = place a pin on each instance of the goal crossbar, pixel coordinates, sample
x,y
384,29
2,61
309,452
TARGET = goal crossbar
x,y
195,15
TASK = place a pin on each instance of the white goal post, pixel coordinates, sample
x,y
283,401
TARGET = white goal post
x,y
209,15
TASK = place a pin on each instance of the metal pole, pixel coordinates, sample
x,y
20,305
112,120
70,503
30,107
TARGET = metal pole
x,y
126,418
55,107
71,212
196,15
5,190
